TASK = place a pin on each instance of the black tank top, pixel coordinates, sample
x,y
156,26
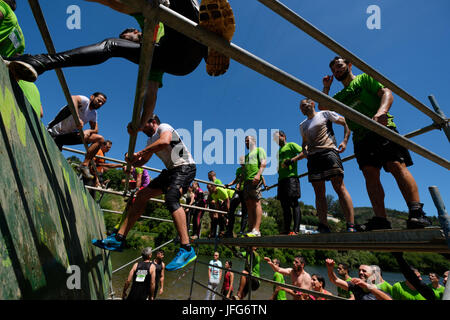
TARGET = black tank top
x,y
158,269
140,289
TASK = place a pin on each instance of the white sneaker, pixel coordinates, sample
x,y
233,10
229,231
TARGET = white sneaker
x,y
254,233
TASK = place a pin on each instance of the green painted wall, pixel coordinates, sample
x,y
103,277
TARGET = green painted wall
x,y
47,218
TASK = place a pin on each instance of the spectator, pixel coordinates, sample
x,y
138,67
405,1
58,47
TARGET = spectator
x,y
278,292
214,277
227,285
245,282
437,288
361,289
299,277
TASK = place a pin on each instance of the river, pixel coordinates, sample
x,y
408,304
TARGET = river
x,y
177,284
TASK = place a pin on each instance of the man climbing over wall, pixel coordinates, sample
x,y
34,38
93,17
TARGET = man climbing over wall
x,y
65,132
173,182
174,53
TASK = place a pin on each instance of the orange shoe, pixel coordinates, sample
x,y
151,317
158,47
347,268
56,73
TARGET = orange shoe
x,y
217,16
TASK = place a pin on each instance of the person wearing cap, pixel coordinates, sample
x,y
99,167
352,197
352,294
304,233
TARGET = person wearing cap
x,y
142,277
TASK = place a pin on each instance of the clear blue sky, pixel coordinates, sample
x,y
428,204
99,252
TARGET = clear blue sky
x,y
411,48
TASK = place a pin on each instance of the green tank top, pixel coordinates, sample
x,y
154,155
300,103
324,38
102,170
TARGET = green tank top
x,y
12,41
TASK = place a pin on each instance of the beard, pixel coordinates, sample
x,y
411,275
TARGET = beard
x,y
343,76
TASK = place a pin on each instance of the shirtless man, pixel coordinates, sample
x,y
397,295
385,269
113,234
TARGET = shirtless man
x,y
299,277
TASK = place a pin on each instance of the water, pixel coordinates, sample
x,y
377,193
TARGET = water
x,y
179,289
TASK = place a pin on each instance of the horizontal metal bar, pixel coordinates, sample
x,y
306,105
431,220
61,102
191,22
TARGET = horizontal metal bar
x,y
412,134
154,199
312,31
145,217
446,126
419,240
143,167
207,288
210,39
284,285
157,248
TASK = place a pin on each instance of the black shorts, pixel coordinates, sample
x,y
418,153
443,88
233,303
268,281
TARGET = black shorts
x,y
375,151
255,285
288,188
178,177
67,139
324,165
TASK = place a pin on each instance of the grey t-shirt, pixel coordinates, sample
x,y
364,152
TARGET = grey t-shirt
x,y
317,133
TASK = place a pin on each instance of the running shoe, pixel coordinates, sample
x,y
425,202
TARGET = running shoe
x,y
376,223
182,259
85,172
351,227
253,233
322,228
217,16
417,219
110,243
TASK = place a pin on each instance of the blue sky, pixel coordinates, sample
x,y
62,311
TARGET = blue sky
x,y
411,48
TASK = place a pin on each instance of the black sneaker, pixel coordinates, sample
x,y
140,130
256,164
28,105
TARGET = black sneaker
x,y
376,223
323,228
417,219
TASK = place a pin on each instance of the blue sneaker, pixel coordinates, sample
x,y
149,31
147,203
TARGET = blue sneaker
x,y
110,243
182,259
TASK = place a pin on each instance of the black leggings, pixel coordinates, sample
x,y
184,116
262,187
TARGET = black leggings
x,y
175,54
291,209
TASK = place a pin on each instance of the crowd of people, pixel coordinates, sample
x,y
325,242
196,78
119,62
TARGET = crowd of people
x,y
368,285
179,55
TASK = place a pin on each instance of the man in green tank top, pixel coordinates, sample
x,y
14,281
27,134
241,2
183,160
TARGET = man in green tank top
x,y
369,97
255,163
288,191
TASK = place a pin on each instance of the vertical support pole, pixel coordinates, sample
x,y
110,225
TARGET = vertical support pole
x,y
444,220
250,275
441,113
193,275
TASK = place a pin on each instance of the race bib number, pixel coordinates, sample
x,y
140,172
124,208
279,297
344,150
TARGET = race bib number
x,y
140,275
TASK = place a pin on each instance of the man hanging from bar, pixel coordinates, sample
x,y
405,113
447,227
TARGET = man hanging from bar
x,y
372,151
173,182
174,52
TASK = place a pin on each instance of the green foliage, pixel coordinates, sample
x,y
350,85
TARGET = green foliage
x,y
115,176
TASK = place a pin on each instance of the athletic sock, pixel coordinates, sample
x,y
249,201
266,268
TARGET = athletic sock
x,y
414,206
120,237
186,247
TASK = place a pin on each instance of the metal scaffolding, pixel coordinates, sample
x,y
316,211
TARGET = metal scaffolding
x,y
392,240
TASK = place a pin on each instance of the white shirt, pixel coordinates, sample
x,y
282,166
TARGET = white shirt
x,y
174,155
215,272
86,115
317,133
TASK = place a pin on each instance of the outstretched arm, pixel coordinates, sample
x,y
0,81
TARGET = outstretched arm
x,y
333,278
